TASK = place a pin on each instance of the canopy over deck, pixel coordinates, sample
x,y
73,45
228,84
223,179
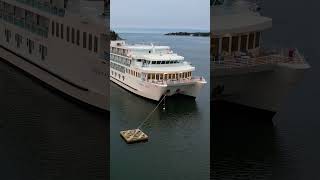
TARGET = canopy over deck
x,y
239,23
164,57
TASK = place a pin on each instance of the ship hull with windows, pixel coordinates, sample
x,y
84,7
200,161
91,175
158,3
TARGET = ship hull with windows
x,y
57,45
152,71
245,73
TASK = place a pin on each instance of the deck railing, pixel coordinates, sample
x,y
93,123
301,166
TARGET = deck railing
x,y
44,6
177,81
22,23
264,57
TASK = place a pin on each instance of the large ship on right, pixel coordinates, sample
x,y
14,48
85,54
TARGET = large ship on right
x,y
242,71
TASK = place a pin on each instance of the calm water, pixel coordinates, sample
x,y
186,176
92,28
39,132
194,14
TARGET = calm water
x,y
43,135
178,147
247,144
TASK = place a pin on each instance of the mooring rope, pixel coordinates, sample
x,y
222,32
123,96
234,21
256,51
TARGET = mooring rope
x,y
151,112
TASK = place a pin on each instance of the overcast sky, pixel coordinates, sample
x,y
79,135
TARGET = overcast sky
x,y
194,14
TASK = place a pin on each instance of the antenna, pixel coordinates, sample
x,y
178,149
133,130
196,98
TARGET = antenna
x,y
153,49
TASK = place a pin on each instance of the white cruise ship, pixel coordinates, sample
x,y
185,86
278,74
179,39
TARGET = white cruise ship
x,y
152,71
64,43
244,72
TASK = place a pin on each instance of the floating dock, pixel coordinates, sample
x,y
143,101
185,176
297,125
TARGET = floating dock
x,y
134,136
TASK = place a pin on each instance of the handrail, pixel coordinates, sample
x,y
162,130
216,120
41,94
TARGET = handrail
x,y
233,62
177,81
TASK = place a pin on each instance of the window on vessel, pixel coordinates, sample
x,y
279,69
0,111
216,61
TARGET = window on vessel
x,y
52,28
161,76
30,45
61,29
215,46
37,16
235,43
163,62
90,42
243,45
257,41
157,76
57,29
167,62
18,39
153,76
158,62
251,41
149,76
78,37
72,35
225,44
84,39
153,62
68,34
95,44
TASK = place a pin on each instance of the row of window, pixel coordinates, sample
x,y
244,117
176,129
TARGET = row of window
x,y
165,62
242,43
133,73
118,67
124,70
73,35
30,44
119,51
119,75
154,76
23,18
120,60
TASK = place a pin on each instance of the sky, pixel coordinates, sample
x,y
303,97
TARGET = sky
x,y
170,14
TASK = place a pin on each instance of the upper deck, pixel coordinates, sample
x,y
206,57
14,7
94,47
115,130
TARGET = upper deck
x,y
239,23
150,53
229,20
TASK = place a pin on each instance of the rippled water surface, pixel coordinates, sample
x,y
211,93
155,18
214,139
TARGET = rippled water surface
x,y
44,135
178,147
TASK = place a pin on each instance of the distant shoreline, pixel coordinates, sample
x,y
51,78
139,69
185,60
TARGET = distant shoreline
x,y
198,34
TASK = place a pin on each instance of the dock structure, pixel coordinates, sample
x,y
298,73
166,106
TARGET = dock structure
x,y
133,136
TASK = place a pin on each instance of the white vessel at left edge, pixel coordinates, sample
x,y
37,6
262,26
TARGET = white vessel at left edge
x,y
64,43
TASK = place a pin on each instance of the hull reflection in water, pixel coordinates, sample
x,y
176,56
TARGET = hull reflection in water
x,y
244,143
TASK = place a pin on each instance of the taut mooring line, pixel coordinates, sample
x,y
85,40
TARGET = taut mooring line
x,y
151,112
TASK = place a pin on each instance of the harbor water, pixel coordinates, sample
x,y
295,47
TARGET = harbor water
x,y
46,135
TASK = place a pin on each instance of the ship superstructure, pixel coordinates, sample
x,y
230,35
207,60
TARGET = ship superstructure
x,y
152,71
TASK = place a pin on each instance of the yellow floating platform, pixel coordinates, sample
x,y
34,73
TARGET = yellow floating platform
x,y
133,136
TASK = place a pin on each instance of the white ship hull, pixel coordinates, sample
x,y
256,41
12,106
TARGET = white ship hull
x,y
80,93
263,89
156,91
